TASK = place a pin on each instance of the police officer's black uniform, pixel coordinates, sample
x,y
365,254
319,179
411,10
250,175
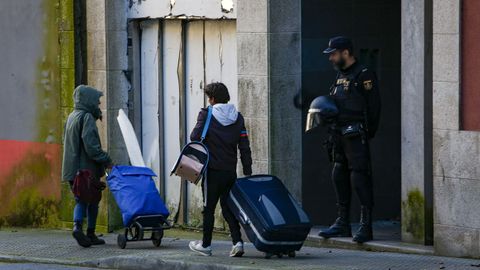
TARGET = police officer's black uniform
x,y
356,95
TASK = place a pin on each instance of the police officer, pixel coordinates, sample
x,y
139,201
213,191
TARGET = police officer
x,y
356,95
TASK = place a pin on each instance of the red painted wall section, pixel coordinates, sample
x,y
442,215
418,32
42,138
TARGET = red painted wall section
x,y
29,177
38,77
470,65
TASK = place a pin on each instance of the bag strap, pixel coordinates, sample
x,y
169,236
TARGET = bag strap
x,y
204,134
207,124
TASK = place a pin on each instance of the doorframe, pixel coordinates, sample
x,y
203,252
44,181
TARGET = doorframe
x,y
417,122
428,122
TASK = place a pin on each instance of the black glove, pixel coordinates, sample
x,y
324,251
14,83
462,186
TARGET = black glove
x,y
247,171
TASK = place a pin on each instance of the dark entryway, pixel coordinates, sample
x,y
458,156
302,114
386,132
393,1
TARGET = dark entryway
x,y
374,26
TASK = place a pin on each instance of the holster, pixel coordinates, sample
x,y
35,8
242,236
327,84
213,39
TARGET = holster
x,y
329,146
352,130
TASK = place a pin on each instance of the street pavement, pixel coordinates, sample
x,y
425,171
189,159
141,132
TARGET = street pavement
x,y
48,249
38,266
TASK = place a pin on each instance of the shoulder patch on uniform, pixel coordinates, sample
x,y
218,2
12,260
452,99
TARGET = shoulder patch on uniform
x,y
368,84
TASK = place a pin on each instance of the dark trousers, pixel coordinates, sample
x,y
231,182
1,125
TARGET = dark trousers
x,y
216,186
352,167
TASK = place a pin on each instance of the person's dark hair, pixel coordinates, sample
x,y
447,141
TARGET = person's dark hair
x,y
218,91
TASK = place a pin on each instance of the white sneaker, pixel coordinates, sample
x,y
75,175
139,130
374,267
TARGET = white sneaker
x,y
196,246
237,250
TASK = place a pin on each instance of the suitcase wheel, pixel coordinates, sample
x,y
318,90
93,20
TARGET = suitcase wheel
x,y
290,254
121,241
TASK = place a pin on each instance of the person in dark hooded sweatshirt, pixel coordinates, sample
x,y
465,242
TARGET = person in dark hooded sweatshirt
x,y
226,135
82,151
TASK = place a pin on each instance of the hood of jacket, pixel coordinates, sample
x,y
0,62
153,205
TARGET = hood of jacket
x,y
226,114
86,99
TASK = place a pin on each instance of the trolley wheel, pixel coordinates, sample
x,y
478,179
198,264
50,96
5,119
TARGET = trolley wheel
x,y
292,254
121,241
268,255
136,232
157,238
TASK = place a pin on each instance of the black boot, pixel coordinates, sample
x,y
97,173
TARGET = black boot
x,y
341,227
81,238
364,233
93,238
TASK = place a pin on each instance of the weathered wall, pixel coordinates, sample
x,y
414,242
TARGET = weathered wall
x,y
253,71
106,65
182,46
37,61
175,59
106,68
213,9
285,66
67,73
416,123
456,153
269,75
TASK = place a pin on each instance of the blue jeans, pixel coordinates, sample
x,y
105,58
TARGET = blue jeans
x,y
85,210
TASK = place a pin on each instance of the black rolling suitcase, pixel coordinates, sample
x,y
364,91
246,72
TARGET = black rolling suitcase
x,y
273,220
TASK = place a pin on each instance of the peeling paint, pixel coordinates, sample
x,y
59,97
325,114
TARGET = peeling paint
x,y
182,9
193,53
227,6
48,76
30,168
133,2
30,189
220,55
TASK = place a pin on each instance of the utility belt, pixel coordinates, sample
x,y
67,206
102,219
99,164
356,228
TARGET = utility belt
x,y
351,130
352,124
346,130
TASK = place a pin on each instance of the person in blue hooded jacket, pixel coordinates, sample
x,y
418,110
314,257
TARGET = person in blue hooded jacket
x,y
82,150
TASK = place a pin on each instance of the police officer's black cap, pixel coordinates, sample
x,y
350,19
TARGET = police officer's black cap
x,y
338,43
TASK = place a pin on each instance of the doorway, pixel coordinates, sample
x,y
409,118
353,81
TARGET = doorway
x,y
174,60
375,28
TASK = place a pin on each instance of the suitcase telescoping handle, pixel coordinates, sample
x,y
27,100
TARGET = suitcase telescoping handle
x,y
260,178
244,218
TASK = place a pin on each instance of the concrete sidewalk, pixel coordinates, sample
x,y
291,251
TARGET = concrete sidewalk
x,y
39,266
57,247
386,237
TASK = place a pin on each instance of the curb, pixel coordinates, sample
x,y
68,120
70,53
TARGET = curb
x,y
142,263
376,246
125,263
